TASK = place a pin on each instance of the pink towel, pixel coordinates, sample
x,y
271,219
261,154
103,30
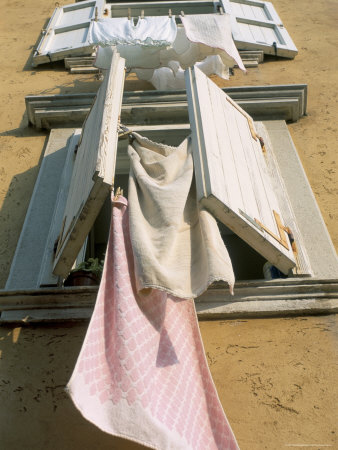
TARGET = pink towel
x,y
141,373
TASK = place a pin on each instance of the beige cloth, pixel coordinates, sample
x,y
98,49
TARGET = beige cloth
x,y
177,247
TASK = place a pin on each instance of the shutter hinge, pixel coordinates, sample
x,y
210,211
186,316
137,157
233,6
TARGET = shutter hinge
x,y
261,141
274,45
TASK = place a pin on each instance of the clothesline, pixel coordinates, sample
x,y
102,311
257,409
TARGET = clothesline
x,y
170,15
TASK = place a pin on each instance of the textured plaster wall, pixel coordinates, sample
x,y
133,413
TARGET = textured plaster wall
x,y
276,378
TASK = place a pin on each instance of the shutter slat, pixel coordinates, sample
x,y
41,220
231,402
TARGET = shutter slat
x,y
252,151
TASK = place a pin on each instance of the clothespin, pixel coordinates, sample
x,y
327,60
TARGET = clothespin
x,y
142,14
182,13
129,13
119,192
170,14
96,13
123,131
221,10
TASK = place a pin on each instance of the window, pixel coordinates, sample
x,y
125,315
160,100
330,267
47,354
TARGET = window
x,y
255,25
85,172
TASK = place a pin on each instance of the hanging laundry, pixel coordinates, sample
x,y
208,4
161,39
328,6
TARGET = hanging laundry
x,y
212,32
172,77
159,31
110,31
134,55
177,247
201,36
141,373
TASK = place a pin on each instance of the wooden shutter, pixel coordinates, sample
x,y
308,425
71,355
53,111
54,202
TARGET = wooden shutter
x,y
231,174
67,32
255,25
94,167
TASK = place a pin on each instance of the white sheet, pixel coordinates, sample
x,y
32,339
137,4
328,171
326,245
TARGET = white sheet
x,y
150,31
213,32
172,77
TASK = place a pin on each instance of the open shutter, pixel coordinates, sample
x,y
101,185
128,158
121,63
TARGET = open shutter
x,y
255,25
231,175
67,32
94,167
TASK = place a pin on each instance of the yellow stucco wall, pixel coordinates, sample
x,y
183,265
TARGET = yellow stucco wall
x,y
276,378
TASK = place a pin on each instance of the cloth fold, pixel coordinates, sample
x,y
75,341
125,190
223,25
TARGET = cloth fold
x,y
177,247
141,373
212,34
172,77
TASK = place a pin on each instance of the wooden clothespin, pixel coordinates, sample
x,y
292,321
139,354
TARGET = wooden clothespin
x,y
123,131
142,14
170,14
182,13
119,192
96,13
221,10
129,13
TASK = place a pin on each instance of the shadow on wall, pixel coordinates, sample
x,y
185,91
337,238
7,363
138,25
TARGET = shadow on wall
x,y
36,413
15,203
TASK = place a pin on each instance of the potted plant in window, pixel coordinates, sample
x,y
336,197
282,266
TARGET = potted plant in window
x,y
87,273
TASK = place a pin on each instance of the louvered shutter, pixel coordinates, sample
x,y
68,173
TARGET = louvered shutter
x,y
94,167
67,32
231,174
255,25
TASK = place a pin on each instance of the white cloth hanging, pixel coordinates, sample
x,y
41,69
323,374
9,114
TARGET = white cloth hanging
x,y
201,36
213,32
159,31
136,56
172,77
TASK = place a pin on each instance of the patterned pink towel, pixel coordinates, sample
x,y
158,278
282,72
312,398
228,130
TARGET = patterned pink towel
x,y
141,373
